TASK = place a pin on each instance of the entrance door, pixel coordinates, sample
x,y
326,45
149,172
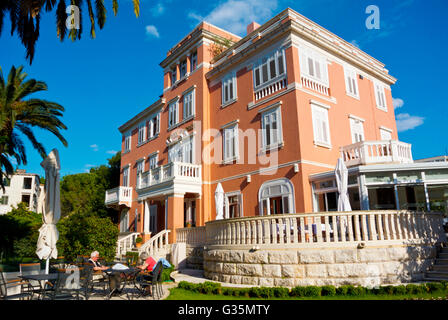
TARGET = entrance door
x,y
275,205
190,212
153,219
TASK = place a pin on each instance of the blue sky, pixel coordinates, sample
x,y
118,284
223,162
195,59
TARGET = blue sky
x,y
103,82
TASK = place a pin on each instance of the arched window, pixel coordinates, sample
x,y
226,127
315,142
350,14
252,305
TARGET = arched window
x,y
276,197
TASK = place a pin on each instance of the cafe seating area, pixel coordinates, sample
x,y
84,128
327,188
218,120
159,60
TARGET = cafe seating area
x,y
78,280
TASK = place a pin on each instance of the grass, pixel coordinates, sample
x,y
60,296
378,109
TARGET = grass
x,y
182,294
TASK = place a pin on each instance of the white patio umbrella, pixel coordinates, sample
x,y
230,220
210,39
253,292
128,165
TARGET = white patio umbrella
x,y
341,174
51,213
219,202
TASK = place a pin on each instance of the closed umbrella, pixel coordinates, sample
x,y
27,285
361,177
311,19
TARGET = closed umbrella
x,y
219,201
48,233
341,174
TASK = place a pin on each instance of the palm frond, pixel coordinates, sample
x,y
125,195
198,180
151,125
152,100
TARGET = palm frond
x,y
136,7
100,13
115,7
61,17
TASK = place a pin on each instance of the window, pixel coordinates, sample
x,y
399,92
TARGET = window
x,y
173,114
181,151
183,69
380,97
233,203
4,200
385,134
140,167
127,142
229,89
153,159
27,183
230,143
269,68
6,182
189,102
124,221
321,127
126,176
26,199
193,61
271,128
173,76
276,197
142,132
357,130
313,65
154,126
351,82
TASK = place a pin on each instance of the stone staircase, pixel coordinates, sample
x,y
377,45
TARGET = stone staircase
x,y
158,246
439,270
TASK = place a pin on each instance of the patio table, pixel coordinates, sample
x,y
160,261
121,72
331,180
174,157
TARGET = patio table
x,y
41,278
124,279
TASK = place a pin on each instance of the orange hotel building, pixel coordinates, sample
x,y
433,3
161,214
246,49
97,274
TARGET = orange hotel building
x,y
264,117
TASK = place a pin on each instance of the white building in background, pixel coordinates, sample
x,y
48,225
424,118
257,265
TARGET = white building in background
x,y
434,159
21,187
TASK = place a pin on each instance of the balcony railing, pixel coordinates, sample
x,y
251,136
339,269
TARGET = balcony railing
x,y
368,152
326,229
185,172
315,85
120,195
270,88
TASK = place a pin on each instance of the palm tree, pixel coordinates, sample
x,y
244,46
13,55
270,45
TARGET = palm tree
x,y
25,18
19,116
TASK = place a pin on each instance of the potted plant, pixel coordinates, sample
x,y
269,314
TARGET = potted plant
x,y
138,242
188,224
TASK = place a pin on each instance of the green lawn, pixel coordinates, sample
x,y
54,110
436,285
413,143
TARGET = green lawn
x,y
182,294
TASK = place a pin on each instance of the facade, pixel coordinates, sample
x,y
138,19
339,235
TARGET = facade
x,y
21,187
267,118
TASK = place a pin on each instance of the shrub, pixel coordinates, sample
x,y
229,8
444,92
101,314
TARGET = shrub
x,y
342,290
280,292
400,290
297,292
209,287
312,291
386,290
328,291
166,273
434,286
414,289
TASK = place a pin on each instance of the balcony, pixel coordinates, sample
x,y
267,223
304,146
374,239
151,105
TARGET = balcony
x,y
173,177
370,152
119,196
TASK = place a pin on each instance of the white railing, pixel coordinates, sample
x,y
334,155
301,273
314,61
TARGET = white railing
x,y
327,229
126,243
173,170
191,236
315,85
270,88
367,152
156,244
119,195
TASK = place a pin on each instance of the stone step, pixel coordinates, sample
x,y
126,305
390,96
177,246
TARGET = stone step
x,y
441,262
443,255
437,274
432,279
444,250
440,267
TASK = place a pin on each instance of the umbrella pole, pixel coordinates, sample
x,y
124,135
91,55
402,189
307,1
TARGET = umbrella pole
x,y
47,266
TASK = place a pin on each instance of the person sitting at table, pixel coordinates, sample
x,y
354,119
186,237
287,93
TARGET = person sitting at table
x,y
96,264
114,280
148,263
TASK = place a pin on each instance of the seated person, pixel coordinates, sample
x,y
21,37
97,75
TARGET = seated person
x,y
96,264
114,280
148,264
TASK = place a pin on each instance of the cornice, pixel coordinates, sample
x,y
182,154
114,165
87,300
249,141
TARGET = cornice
x,y
148,111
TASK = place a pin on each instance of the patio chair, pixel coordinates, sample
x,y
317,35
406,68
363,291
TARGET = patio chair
x,y
29,269
150,279
4,284
57,290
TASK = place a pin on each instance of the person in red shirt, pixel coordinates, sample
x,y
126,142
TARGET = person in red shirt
x,y
149,263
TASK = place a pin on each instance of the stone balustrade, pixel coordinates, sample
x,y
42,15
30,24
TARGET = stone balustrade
x,y
191,236
367,248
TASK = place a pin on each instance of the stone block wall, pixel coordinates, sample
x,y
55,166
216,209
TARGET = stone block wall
x,y
370,266
195,257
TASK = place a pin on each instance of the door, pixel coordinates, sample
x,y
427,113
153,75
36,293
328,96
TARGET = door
x,y
153,219
275,205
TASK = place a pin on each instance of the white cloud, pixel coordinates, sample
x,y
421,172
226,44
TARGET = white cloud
x,y
398,103
94,147
112,152
235,15
158,9
407,122
151,31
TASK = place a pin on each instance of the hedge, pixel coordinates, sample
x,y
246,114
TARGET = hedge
x,y
312,291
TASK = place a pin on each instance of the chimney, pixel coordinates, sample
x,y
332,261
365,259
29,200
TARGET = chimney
x,y
251,27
